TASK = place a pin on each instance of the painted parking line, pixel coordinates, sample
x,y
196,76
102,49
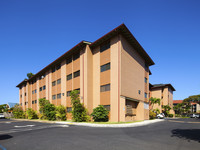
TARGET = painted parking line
x,y
31,128
182,121
2,148
9,121
24,126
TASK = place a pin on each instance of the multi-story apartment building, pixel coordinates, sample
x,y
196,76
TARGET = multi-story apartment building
x,y
165,93
112,71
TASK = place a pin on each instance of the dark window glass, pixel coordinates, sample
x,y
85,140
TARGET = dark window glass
x,y
35,101
25,94
53,69
139,91
76,56
105,88
58,81
104,46
35,91
21,96
145,80
107,107
58,67
59,96
53,83
105,67
76,74
40,88
44,87
69,77
68,93
145,95
53,97
69,109
69,60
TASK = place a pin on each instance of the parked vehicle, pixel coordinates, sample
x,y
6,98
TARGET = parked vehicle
x,y
161,116
194,115
2,115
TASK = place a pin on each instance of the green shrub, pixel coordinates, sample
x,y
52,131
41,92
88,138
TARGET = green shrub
x,y
152,115
18,112
61,113
100,114
31,114
49,111
170,115
79,112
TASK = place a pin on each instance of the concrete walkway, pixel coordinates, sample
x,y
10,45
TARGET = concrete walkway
x,y
123,125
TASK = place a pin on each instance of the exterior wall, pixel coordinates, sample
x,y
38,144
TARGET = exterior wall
x,y
157,93
126,77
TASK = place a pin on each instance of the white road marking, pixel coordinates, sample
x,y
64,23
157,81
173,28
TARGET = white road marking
x,y
18,129
24,126
7,122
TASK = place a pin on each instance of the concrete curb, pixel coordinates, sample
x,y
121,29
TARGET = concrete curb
x,y
136,124
125,125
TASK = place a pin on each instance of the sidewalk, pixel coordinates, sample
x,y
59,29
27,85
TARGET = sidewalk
x,y
122,125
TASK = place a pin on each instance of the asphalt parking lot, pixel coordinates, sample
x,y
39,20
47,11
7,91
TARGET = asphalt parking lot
x,y
171,134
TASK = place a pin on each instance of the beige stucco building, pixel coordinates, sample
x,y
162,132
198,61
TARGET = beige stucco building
x,y
165,93
112,71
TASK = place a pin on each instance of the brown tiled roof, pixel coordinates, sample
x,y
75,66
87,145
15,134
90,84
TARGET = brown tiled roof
x,y
177,101
162,85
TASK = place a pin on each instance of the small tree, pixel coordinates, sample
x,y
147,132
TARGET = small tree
x,y
18,112
79,112
42,103
154,101
49,111
100,114
166,110
61,113
31,114
29,75
152,115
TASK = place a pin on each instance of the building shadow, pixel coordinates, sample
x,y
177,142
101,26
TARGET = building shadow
x,y
5,137
187,134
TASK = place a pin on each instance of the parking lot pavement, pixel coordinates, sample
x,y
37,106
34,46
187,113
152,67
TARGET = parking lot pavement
x,y
165,135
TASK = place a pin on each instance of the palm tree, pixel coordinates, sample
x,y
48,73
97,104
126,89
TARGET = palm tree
x,y
154,100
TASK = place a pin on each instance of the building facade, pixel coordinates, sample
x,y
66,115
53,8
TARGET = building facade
x,y
165,93
112,71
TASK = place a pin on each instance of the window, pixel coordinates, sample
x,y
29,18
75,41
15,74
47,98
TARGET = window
x,y
33,102
40,88
139,92
145,80
76,74
145,95
21,96
58,81
53,69
105,46
105,67
69,60
69,77
107,107
35,91
44,87
76,56
105,88
25,94
78,90
53,83
59,96
25,103
58,67
68,93
69,109
53,97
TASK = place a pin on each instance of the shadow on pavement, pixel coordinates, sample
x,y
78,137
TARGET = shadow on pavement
x,y
5,137
188,134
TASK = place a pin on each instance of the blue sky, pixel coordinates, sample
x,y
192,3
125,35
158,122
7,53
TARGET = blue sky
x,y
33,33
